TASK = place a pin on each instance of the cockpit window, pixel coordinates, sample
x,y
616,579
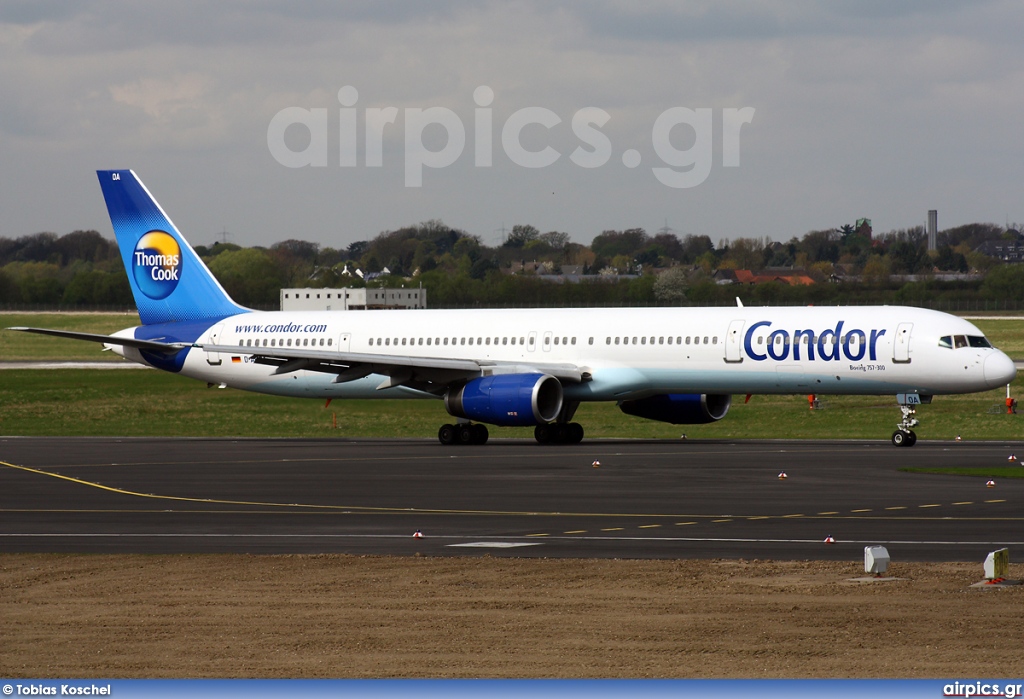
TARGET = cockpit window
x,y
946,341
978,341
959,341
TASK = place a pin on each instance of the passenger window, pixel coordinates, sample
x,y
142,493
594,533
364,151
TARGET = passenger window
x,y
688,339
616,340
462,341
670,340
705,339
329,342
321,342
643,340
387,341
714,340
607,340
565,340
959,341
446,341
556,340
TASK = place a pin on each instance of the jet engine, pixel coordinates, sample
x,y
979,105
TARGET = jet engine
x,y
680,408
508,400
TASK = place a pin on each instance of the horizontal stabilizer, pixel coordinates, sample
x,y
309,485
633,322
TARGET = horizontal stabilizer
x,y
148,345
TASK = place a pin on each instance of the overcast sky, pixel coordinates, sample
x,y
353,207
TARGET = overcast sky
x,y
872,109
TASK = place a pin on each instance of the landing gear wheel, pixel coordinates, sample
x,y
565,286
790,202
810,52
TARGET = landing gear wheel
x,y
901,438
542,433
559,433
464,434
480,434
446,435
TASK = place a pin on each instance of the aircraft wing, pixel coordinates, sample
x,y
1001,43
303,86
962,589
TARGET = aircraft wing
x,y
148,345
429,374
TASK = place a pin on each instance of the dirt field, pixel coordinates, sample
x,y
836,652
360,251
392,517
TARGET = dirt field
x,y
353,617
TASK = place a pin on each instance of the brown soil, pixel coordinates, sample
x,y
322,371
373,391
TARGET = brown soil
x,y
345,616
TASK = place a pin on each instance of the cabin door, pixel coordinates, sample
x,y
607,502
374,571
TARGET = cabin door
x,y
901,344
733,340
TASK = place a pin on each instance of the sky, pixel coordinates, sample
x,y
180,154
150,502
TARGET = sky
x,y
269,120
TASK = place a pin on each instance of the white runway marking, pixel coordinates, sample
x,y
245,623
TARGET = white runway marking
x,y
495,544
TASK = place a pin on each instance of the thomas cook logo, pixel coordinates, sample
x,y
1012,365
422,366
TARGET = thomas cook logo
x,y
156,264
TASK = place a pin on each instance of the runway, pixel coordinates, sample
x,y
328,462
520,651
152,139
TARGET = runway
x,y
644,499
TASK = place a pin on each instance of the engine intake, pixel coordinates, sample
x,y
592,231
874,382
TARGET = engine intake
x,y
509,400
680,408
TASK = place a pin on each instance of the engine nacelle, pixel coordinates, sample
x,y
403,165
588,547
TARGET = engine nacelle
x,y
680,408
508,400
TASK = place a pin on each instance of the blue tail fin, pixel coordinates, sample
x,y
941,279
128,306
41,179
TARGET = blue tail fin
x,y
169,281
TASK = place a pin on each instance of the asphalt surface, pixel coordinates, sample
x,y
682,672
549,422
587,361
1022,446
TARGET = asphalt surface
x,y
657,499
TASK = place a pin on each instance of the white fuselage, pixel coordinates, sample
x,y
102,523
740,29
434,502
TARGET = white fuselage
x,y
628,352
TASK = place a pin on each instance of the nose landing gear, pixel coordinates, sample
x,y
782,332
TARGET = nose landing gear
x,y
904,435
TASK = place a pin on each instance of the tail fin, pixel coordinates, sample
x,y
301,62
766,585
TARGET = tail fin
x,y
169,281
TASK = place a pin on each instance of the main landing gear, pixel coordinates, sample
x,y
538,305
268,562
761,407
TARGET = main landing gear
x,y
559,433
904,436
463,433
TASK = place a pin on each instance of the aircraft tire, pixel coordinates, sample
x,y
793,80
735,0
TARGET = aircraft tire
x,y
901,438
542,433
912,438
446,435
464,434
480,434
575,433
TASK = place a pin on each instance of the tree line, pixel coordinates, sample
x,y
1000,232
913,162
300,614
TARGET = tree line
x,y
848,264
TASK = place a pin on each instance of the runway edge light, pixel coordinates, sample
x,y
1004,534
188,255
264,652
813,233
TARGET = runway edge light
x,y
876,560
783,476
417,535
829,539
990,484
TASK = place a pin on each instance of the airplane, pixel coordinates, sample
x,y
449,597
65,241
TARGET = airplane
x,y
528,367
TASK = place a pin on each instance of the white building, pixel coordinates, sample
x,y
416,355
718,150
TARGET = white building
x,y
351,299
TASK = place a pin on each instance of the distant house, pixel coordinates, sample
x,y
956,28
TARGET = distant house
x,y
1003,250
352,299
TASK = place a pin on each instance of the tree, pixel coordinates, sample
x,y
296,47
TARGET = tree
x,y
628,242
1005,282
520,236
250,276
671,285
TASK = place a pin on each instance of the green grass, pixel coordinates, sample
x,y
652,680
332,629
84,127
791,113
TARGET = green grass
x,y
1007,335
15,346
986,472
146,402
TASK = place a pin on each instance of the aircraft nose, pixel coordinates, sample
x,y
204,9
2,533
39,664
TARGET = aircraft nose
x,y
999,369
